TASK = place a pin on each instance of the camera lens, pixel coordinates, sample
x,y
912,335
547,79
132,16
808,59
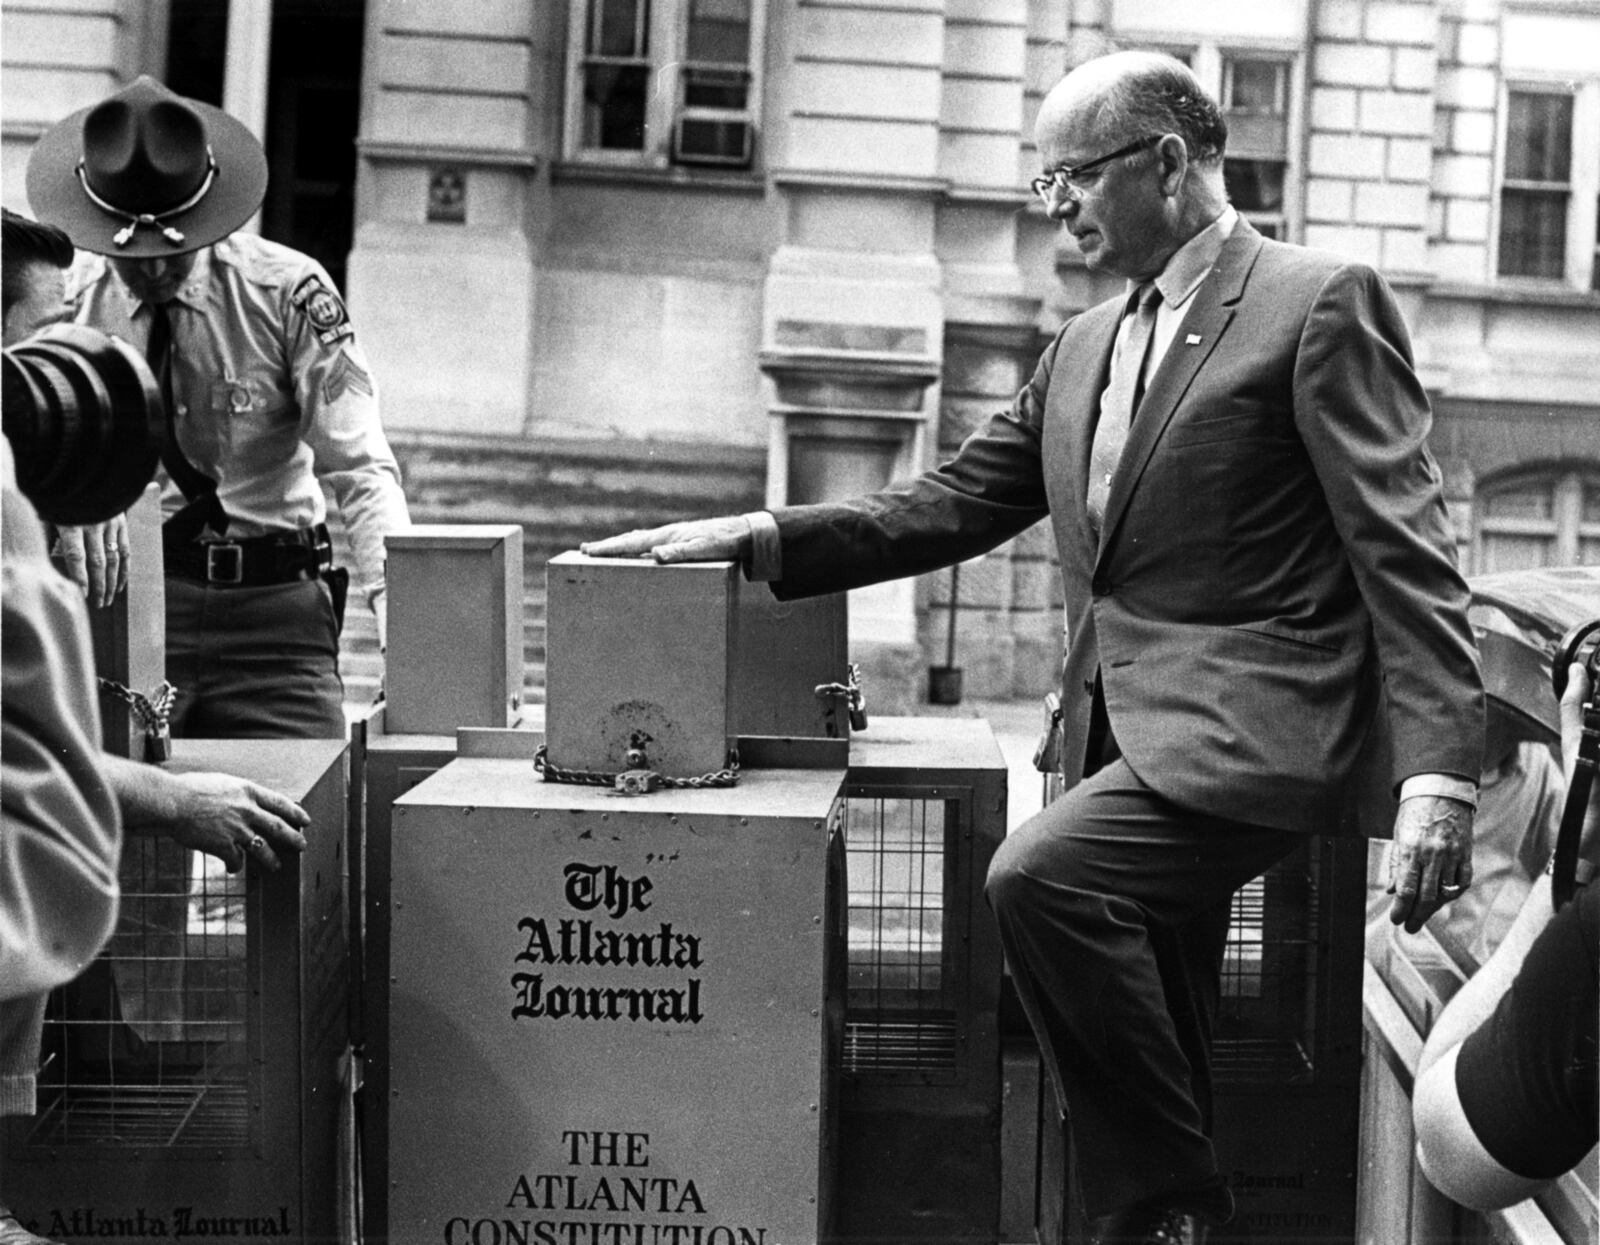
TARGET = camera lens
x,y
84,417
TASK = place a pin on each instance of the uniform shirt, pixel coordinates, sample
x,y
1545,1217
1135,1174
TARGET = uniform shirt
x,y
60,833
271,392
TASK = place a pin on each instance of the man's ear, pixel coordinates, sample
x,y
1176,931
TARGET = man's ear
x,y
1173,153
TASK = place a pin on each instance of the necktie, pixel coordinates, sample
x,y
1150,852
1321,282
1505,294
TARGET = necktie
x,y
194,484
1121,398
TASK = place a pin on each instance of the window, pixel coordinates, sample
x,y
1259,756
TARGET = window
x,y
1547,520
654,82
1537,187
1255,101
1549,192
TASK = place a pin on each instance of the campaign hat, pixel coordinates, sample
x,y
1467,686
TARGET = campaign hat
x,y
147,173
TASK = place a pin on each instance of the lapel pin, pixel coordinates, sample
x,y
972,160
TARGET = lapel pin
x,y
1193,339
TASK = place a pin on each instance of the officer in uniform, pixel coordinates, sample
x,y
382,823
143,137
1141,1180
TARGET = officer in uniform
x,y
269,397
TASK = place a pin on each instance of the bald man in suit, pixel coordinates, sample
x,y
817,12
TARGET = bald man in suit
x,y
1259,574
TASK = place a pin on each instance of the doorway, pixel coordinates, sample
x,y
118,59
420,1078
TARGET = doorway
x,y
313,112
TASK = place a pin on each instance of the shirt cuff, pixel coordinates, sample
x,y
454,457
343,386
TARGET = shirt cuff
x,y
766,549
1449,785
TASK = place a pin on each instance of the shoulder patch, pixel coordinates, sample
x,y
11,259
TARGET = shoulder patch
x,y
321,306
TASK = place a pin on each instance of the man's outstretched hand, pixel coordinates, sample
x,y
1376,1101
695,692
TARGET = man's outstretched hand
x,y
726,539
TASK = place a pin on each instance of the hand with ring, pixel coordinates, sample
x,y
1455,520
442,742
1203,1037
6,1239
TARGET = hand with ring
x,y
1430,860
237,821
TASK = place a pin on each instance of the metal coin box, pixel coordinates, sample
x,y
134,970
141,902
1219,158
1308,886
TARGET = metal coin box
x,y
455,627
385,767
920,1095
229,1125
454,662
785,651
642,657
613,1014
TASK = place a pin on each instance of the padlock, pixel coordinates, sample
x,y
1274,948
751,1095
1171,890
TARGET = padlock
x,y
857,699
637,781
158,744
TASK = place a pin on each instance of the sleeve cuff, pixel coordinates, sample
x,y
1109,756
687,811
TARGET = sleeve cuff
x,y
766,549
1448,785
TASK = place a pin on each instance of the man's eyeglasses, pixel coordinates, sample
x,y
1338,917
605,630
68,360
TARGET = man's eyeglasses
x,y
1067,180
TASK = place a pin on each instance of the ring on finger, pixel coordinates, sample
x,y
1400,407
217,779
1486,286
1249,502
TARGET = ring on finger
x,y
1450,889
257,843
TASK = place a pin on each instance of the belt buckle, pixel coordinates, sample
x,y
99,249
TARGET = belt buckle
x,y
223,570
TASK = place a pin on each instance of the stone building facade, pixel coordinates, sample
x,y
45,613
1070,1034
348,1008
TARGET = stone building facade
x,y
624,260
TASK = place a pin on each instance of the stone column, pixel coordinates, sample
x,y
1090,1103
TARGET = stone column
x,y
442,274
853,306
1005,631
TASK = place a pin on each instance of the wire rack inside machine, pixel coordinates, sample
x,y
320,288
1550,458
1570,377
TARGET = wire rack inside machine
x,y
148,1047
901,1005
1266,1027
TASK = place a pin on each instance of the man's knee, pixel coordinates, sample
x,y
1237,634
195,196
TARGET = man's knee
x,y
1005,878
1030,857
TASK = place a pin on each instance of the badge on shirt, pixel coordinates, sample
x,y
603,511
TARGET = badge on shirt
x,y
322,307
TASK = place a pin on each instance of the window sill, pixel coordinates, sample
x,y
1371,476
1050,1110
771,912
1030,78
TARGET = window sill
x,y
471,157
1525,293
669,177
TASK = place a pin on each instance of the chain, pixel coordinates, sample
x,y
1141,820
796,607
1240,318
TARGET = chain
x,y
633,781
728,777
152,710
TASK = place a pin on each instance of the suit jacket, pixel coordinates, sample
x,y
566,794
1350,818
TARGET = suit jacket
x,y
1276,557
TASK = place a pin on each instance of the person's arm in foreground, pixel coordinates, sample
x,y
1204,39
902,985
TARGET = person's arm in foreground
x,y
1448,1146
230,818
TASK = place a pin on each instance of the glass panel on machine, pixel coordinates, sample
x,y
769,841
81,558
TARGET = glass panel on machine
x,y
148,1046
1267,1020
899,1012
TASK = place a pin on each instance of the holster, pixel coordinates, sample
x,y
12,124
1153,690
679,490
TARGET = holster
x,y
338,580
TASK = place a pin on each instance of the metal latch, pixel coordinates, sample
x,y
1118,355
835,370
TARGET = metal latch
x,y
850,695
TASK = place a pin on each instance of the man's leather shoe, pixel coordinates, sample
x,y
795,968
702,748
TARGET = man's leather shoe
x,y
1148,1226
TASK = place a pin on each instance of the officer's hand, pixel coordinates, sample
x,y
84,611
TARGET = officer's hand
x,y
701,540
1430,860
96,558
235,820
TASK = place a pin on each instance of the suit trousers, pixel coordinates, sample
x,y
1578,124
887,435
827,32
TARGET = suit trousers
x,y
254,663
1113,905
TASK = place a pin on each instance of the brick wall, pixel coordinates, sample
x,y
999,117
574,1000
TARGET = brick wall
x,y
1371,131
1463,142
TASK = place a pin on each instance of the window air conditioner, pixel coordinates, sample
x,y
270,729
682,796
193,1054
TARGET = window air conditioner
x,y
714,136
